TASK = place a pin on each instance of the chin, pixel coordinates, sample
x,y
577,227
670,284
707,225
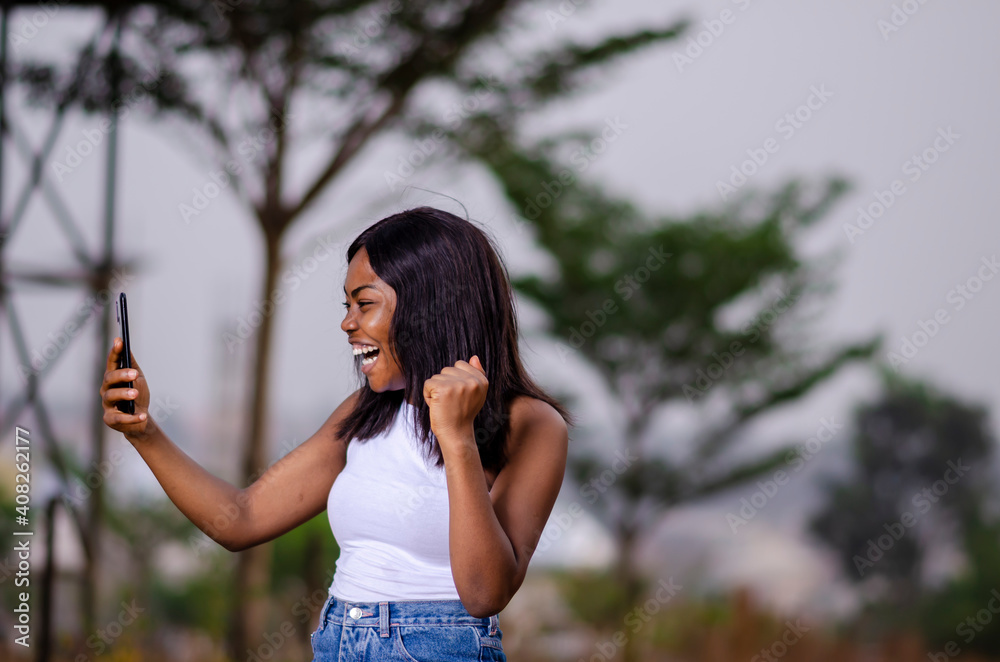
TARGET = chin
x,y
380,386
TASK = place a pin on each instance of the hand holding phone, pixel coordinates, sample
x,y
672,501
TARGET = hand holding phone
x,y
125,358
124,392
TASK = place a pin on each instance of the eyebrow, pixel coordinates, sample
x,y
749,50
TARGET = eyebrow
x,y
357,289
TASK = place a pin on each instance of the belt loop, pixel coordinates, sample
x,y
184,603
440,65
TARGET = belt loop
x,y
327,610
383,619
494,624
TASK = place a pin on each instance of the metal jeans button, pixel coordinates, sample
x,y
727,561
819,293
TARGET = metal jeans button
x,y
355,612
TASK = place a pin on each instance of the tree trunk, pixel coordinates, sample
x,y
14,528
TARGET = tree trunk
x,y
631,583
253,566
628,532
90,574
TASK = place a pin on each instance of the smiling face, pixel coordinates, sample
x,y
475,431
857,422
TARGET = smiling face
x,y
370,303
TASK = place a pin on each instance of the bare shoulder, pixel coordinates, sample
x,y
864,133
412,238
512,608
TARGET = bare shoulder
x,y
535,421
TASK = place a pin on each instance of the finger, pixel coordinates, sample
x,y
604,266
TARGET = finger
x,y
119,376
113,395
472,364
455,377
121,418
432,385
462,370
113,354
466,370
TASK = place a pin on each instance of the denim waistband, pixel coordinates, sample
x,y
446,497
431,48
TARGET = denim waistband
x,y
382,614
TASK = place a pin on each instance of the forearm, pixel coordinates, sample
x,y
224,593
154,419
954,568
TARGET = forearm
x,y
215,506
483,562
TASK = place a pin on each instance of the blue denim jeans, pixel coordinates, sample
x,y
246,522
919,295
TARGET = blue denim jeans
x,y
405,630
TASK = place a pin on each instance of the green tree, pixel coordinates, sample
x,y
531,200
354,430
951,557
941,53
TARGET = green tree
x,y
668,312
239,71
953,614
920,474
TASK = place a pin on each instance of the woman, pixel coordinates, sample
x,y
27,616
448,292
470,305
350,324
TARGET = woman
x,y
438,474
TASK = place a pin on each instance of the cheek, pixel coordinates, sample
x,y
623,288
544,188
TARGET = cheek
x,y
379,323
381,328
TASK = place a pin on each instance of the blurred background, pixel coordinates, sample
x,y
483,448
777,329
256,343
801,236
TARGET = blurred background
x,y
753,248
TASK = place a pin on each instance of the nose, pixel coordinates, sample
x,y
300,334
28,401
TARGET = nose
x,y
349,323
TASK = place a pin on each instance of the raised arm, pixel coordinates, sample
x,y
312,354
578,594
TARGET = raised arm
x,y
289,493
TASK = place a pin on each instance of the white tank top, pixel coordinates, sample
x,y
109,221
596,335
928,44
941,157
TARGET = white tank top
x,y
388,509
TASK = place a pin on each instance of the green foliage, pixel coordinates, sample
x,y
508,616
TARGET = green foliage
x,y
955,612
913,439
594,597
672,282
679,629
598,599
145,524
203,601
309,546
262,61
644,301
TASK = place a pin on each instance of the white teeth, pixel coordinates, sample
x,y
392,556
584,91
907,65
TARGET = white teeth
x,y
367,350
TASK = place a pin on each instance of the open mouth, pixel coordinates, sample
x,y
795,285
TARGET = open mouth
x,y
368,354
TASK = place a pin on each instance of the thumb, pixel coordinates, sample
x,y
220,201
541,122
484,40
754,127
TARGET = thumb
x,y
474,362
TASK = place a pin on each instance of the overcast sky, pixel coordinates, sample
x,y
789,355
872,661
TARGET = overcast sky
x,y
874,89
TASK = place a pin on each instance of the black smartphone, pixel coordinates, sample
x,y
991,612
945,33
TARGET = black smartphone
x,y
125,358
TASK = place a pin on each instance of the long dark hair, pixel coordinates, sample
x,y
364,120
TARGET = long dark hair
x,y
453,300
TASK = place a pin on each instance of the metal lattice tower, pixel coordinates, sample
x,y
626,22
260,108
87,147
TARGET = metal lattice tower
x,y
91,275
